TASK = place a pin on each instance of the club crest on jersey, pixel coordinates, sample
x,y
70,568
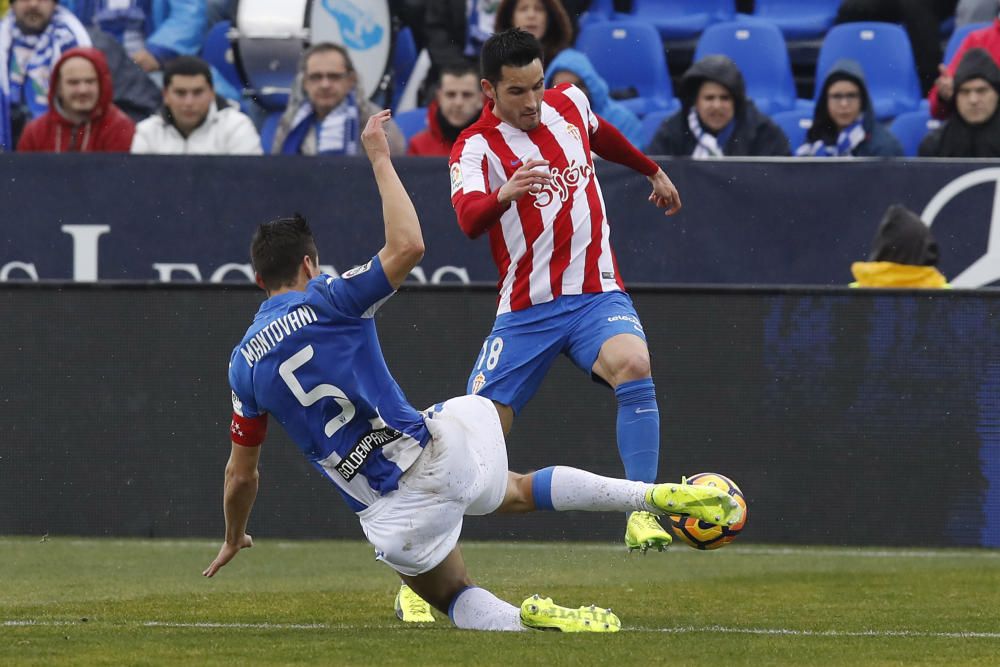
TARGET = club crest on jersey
x,y
574,175
478,383
456,178
573,131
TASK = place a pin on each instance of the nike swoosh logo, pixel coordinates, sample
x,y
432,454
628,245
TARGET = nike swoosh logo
x,y
639,411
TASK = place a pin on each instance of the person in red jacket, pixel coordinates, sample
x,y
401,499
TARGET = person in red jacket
x,y
456,106
81,117
941,94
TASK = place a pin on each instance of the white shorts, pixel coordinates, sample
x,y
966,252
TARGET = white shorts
x,y
462,470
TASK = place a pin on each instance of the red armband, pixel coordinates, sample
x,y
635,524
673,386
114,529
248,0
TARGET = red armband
x,y
248,431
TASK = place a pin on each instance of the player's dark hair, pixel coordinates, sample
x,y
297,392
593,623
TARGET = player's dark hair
x,y
512,48
277,249
186,66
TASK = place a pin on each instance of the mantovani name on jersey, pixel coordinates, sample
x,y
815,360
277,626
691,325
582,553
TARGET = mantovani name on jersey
x,y
352,462
275,332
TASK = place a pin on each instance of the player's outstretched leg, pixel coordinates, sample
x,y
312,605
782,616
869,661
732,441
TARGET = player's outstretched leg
x,y
543,614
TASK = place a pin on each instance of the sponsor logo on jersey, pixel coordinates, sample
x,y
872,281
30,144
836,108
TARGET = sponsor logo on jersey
x,y
563,180
355,459
358,270
627,318
237,405
478,382
456,178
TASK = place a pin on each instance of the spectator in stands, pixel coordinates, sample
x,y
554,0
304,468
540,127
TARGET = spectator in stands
x,y
194,120
572,66
844,122
546,20
922,20
135,93
3,7
987,38
328,108
457,105
33,36
975,11
974,130
904,254
81,117
455,31
152,31
716,118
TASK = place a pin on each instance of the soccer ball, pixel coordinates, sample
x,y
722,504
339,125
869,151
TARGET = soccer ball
x,y
701,535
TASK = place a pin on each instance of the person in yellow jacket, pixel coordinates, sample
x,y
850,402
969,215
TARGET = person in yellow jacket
x,y
904,254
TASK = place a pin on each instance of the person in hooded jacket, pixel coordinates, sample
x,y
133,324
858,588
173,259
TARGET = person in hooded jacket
x,y
904,254
716,118
572,66
844,122
974,128
81,117
456,105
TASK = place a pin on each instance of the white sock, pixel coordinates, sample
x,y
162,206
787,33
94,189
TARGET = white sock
x,y
477,609
575,489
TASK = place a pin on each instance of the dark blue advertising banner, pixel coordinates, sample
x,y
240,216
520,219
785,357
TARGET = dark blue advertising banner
x,y
166,219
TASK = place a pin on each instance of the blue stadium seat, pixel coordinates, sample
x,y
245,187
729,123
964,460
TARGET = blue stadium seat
x,y
959,36
911,128
598,12
218,52
681,19
885,54
267,130
630,57
650,124
411,121
404,57
794,124
759,50
798,19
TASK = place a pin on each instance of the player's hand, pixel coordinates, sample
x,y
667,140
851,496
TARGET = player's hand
x,y
373,138
226,554
945,83
526,179
664,193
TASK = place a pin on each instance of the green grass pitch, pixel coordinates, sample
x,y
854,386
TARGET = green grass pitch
x,y
66,600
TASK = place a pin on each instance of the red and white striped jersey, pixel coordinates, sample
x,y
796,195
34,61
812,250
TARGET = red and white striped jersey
x,y
549,243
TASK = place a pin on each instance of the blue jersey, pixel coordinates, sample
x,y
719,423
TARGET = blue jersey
x,y
312,360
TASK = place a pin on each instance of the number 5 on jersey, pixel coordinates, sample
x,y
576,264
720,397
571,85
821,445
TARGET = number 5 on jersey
x,y
320,391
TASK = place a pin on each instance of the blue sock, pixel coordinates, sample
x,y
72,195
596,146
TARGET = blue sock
x,y
638,429
541,488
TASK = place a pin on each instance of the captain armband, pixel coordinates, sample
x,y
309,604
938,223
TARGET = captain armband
x,y
248,431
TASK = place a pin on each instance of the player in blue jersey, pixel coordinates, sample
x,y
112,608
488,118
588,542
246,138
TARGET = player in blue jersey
x,y
312,359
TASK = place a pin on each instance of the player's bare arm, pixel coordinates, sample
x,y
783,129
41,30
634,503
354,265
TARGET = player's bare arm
x,y
527,178
240,493
404,243
664,193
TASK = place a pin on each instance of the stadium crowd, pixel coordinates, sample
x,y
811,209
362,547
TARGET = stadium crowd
x,y
892,77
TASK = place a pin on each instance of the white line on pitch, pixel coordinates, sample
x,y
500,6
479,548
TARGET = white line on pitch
x,y
715,629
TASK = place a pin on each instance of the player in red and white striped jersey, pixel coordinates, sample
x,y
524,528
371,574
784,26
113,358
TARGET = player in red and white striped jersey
x,y
524,174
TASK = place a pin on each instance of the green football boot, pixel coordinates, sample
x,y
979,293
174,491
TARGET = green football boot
x,y
411,608
643,531
705,503
542,614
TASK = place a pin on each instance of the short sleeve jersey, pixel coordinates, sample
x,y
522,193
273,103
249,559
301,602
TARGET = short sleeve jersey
x,y
312,361
555,241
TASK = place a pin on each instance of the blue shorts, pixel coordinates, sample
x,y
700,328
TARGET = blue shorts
x,y
523,344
